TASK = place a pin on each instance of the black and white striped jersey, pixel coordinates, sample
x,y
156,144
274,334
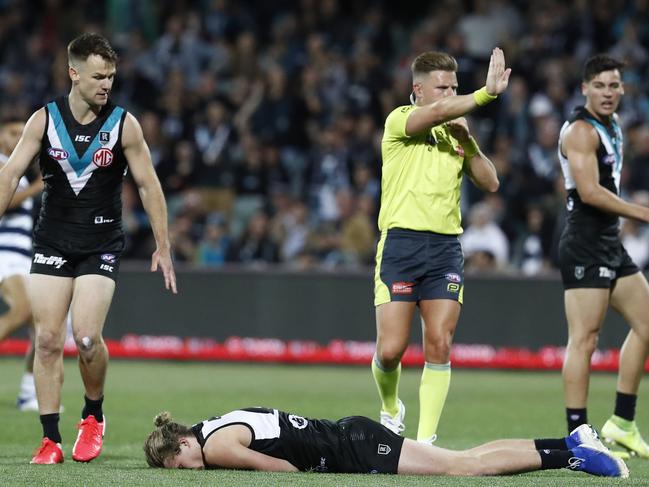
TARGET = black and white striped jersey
x,y
309,444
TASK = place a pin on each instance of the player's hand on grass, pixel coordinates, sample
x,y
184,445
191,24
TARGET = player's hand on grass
x,y
497,76
162,258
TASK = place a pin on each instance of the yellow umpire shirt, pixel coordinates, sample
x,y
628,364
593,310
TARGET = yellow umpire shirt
x,y
422,174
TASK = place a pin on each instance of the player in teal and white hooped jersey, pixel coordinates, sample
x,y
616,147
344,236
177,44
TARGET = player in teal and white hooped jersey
x,y
15,259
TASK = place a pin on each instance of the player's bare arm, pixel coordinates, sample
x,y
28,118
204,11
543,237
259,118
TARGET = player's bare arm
x,y
580,147
32,190
138,156
478,167
452,107
24,153
228,448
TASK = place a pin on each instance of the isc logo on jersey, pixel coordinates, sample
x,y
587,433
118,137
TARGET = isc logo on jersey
x,y
102,157
57,154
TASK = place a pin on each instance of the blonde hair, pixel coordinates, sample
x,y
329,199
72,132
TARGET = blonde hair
x,y
164,441
432,61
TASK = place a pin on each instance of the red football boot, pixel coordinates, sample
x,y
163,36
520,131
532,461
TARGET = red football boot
x,y
48,453
89,440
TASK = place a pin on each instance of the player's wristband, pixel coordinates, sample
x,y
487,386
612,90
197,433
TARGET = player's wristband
x,y
470,148
481,96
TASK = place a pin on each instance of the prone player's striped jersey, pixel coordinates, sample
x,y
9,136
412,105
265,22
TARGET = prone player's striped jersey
x,y
301,441
83,166
16,224
610,155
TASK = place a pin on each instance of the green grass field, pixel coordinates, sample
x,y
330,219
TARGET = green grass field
x,y
481,406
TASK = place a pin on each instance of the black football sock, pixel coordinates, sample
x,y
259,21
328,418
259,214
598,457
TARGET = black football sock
x,y
576,417
552,459
625,405
550,444
50,424
93,407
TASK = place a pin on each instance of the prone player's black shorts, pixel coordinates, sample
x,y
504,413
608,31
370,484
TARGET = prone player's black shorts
x,y
595,262
66,259
367,447
414,266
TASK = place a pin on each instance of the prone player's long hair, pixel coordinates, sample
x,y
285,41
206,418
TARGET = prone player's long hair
x,y
164,441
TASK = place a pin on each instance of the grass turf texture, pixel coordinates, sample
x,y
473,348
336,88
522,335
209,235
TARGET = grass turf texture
x,y
481,406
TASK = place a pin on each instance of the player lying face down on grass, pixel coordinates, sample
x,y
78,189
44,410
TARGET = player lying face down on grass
x,y
276,441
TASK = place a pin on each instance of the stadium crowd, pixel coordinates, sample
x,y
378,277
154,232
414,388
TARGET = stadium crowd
x,y
264,119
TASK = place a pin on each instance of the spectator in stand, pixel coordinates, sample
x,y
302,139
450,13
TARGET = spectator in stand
x,y
329,173
530,248
178,173
484,240
255,247
180,235
358,234
639,160
213,248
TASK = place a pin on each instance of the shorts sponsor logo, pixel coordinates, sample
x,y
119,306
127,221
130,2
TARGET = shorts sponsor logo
x,y
54,260
384,449
106,267
103,157
453,287
100,219
57,154
402,287
453,277
104,137
606,272
579,271
110,258
298,421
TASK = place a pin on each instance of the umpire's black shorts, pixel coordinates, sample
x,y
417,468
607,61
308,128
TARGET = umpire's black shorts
x,y
414,266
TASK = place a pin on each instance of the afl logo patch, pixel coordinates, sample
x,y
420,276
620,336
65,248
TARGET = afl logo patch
x,y
110,258
453,277
57,154
102,157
